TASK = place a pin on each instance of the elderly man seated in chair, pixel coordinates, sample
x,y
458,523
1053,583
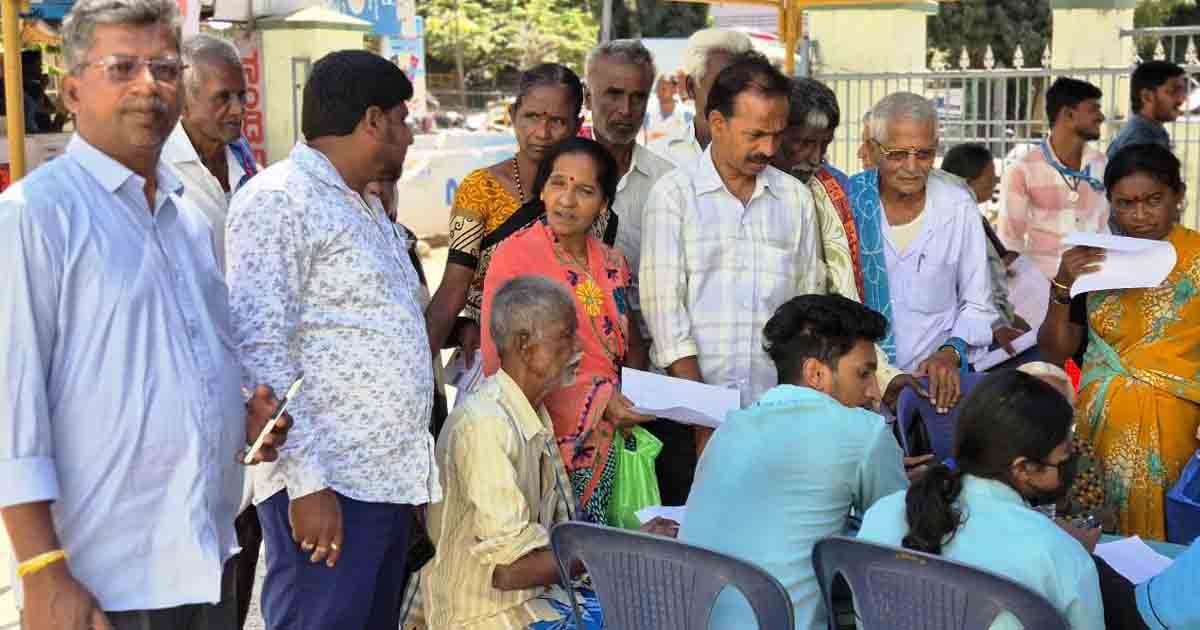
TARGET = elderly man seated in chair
x,y
505,485
923,253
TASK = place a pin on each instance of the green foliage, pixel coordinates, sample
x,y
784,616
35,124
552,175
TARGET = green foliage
x,y
499,35
1002,24
655,18
1152,13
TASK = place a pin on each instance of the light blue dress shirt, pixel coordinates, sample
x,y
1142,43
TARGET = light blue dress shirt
x,y
1002,534
1170,599
940,287
121,398
779,476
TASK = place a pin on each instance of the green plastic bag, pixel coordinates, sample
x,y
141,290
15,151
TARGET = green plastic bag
x,y
636,485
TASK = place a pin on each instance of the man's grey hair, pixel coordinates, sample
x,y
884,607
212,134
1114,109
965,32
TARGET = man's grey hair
x,y
202,52
80,24
630,51
528,304
707,41
900,106
813,104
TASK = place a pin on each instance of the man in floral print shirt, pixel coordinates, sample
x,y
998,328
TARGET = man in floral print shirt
x,y
321,286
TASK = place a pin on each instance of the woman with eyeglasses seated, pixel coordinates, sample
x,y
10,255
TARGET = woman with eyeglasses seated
x,y
1139,400
1012,451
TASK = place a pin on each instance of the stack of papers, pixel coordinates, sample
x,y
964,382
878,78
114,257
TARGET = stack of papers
x,y
1133,558
681,400
1000,355
1130,263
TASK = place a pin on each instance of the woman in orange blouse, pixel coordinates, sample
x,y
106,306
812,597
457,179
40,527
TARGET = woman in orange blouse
x,y
490,204
576,185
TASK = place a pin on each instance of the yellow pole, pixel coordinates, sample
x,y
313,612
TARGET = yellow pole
x,y
13,91
785,34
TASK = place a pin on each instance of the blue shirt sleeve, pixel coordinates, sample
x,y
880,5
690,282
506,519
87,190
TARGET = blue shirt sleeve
x,y
1169,599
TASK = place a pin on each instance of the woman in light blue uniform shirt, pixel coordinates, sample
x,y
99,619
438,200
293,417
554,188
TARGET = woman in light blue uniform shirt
x,y
1012,451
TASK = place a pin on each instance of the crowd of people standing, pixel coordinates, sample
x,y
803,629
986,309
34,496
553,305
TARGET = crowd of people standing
x,y
161,288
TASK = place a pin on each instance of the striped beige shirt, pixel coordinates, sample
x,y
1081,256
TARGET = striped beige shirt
x,y
505,487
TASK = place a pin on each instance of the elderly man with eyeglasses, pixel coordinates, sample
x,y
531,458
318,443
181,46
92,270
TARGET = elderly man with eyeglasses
x,y
924,253
124,411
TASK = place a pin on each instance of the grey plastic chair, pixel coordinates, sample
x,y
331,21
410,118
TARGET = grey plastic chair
x,y
901,589
649,582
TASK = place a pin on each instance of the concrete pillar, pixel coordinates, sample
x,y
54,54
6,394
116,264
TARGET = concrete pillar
x,y
291,44
1085,32
874,39
860,40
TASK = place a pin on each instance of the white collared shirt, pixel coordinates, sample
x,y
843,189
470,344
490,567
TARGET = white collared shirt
x,y
321,285
940,283
679,148
713,270
645,169
121,391
200,186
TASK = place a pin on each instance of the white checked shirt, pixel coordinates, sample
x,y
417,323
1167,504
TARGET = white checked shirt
x,y
320,285
680,148
713,271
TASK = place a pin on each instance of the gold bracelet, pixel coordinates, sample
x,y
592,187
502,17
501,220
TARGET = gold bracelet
x,y
40,561
1055,284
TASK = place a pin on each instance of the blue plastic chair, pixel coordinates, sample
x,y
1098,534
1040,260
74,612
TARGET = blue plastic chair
x,y
906,590
912,408
1183,505
649,582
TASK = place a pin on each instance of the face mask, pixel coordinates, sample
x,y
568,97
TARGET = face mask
x,y
1066,477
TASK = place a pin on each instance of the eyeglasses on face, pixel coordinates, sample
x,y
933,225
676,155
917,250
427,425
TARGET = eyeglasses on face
x,y
898,155
123,68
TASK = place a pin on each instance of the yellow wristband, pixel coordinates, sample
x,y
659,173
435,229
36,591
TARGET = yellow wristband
x,y
40,561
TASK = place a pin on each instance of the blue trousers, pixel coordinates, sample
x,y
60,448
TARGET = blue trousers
x,y
362,592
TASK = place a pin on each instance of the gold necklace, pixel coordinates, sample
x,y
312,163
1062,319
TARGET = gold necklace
x,y
517,179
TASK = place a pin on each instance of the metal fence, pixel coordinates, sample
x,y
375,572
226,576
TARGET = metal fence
x,y
1004,109
470,101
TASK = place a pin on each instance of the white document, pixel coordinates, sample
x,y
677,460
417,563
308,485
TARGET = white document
x,y
1133,559
1130,263
1028,291
645,515
1000,355
681,400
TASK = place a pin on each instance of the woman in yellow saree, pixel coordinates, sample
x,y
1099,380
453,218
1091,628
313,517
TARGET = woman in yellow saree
x,y
1139,400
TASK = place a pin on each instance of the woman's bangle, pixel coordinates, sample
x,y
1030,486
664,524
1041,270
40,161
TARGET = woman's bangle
x,y
1055,287
40,561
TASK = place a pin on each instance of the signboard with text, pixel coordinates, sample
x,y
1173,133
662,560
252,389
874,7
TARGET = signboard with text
x,y
249,45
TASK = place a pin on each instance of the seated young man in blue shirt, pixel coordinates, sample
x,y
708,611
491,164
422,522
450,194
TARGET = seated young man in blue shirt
x,y
785,472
